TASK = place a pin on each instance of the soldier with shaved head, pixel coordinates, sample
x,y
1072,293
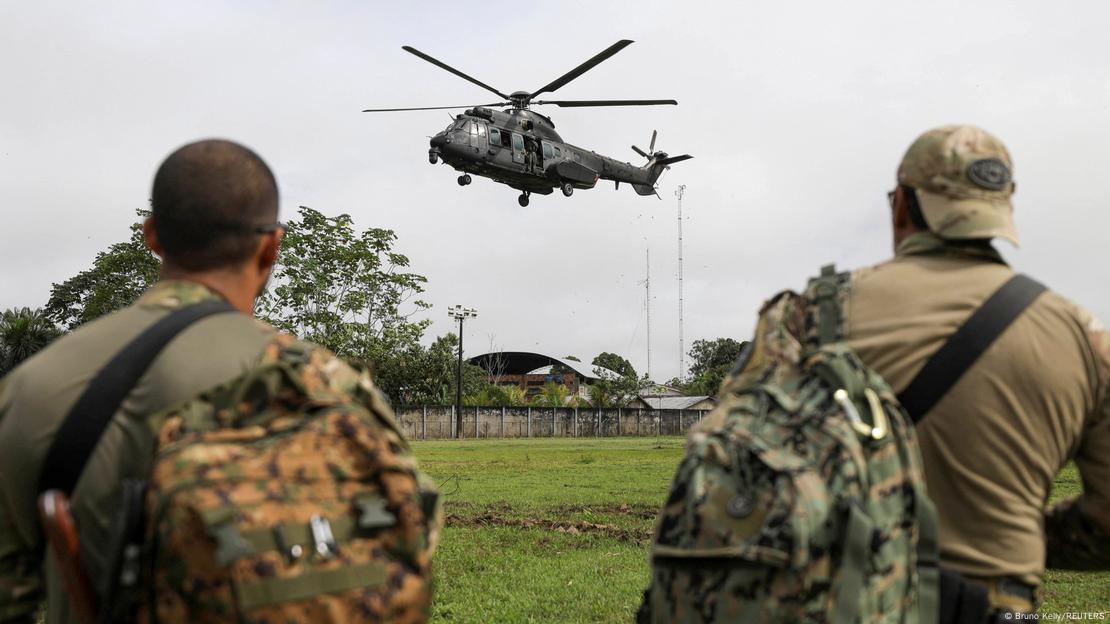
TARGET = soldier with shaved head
x,y
214,225
80,418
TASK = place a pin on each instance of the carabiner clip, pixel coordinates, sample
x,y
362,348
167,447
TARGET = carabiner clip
x,y
878,416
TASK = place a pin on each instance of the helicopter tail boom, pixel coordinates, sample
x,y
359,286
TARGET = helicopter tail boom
x,y
644,189
657,163
654,168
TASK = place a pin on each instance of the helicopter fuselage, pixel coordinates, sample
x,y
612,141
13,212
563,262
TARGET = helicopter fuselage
x,y
496,145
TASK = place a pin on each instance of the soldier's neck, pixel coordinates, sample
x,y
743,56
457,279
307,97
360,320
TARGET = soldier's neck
x,y
235,286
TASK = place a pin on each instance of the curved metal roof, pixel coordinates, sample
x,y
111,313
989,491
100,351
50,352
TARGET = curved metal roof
x,y
524,362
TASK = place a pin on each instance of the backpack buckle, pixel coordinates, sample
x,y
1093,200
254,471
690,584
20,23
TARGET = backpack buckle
x,y
874,432
322,537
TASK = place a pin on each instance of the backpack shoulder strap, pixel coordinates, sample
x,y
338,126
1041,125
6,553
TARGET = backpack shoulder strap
x,y
88,418
970,341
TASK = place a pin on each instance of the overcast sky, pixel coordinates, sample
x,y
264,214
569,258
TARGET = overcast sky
x,y
796,112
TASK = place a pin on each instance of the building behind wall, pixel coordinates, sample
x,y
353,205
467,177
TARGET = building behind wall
x,y
533,383
531,371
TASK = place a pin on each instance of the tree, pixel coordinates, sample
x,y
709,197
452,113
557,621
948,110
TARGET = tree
x,y
23,332
551,395
418,376
615,363
494,395
115,280
710,363
619,391
345,290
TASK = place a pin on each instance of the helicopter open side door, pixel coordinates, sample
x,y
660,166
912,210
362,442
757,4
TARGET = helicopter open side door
x,y
518,148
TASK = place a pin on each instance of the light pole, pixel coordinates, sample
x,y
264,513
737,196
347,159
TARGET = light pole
x,y
460,313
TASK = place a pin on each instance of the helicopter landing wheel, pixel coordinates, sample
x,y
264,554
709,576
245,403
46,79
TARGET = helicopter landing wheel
x,y
522,200
568,189
465,179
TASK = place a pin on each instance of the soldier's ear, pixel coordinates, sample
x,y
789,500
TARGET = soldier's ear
x,y
902,218
150,235
269,247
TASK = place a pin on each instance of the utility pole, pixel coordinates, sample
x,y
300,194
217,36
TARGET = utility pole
x,y
460,313
681,343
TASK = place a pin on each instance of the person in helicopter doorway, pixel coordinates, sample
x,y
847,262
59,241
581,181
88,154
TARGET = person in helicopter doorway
x,y
530,156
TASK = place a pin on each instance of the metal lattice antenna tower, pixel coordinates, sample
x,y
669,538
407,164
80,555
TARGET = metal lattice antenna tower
x,y
647,288
681,342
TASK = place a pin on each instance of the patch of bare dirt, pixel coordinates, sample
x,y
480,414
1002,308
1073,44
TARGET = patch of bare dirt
x,y
637,511
496,517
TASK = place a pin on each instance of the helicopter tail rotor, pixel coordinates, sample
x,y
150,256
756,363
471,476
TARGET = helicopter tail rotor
x,y
657,163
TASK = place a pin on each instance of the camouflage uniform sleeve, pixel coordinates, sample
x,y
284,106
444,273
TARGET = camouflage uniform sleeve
x,y
1077,530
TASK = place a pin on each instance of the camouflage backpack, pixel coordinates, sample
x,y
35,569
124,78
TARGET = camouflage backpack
x,y
288,495
801,497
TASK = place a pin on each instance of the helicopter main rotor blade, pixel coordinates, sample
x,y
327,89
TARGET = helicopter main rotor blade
x,y
584,67
442,65
579,103
418,108
640,152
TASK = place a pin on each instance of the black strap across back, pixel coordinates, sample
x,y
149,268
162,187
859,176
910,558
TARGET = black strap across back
x,y
89,417
970,341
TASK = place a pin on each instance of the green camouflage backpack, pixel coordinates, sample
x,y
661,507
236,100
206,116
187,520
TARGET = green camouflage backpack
x,y
801,497
288,495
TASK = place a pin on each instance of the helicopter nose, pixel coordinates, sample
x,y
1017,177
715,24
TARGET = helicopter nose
x,y
439,140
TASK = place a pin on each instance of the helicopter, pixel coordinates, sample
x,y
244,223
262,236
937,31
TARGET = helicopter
x,y
519,147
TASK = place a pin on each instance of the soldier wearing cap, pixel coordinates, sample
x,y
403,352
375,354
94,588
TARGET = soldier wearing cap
x,y
1037,398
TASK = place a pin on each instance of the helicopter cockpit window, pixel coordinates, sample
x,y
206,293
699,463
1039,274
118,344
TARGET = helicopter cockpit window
x,y
558,152
494,137
481,128
547,153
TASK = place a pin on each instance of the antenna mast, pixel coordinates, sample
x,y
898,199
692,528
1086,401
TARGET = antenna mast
x,y
647,302
681,342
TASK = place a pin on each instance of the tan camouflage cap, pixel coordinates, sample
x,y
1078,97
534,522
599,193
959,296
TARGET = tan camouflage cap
x,y
964,180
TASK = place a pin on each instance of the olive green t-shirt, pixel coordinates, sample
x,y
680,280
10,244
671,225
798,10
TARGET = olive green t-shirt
x,y
36,397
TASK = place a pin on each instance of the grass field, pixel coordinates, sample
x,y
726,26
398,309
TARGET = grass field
x,y
556,530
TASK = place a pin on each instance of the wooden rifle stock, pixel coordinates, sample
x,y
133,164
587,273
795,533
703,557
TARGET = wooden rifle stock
x,y
61,533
